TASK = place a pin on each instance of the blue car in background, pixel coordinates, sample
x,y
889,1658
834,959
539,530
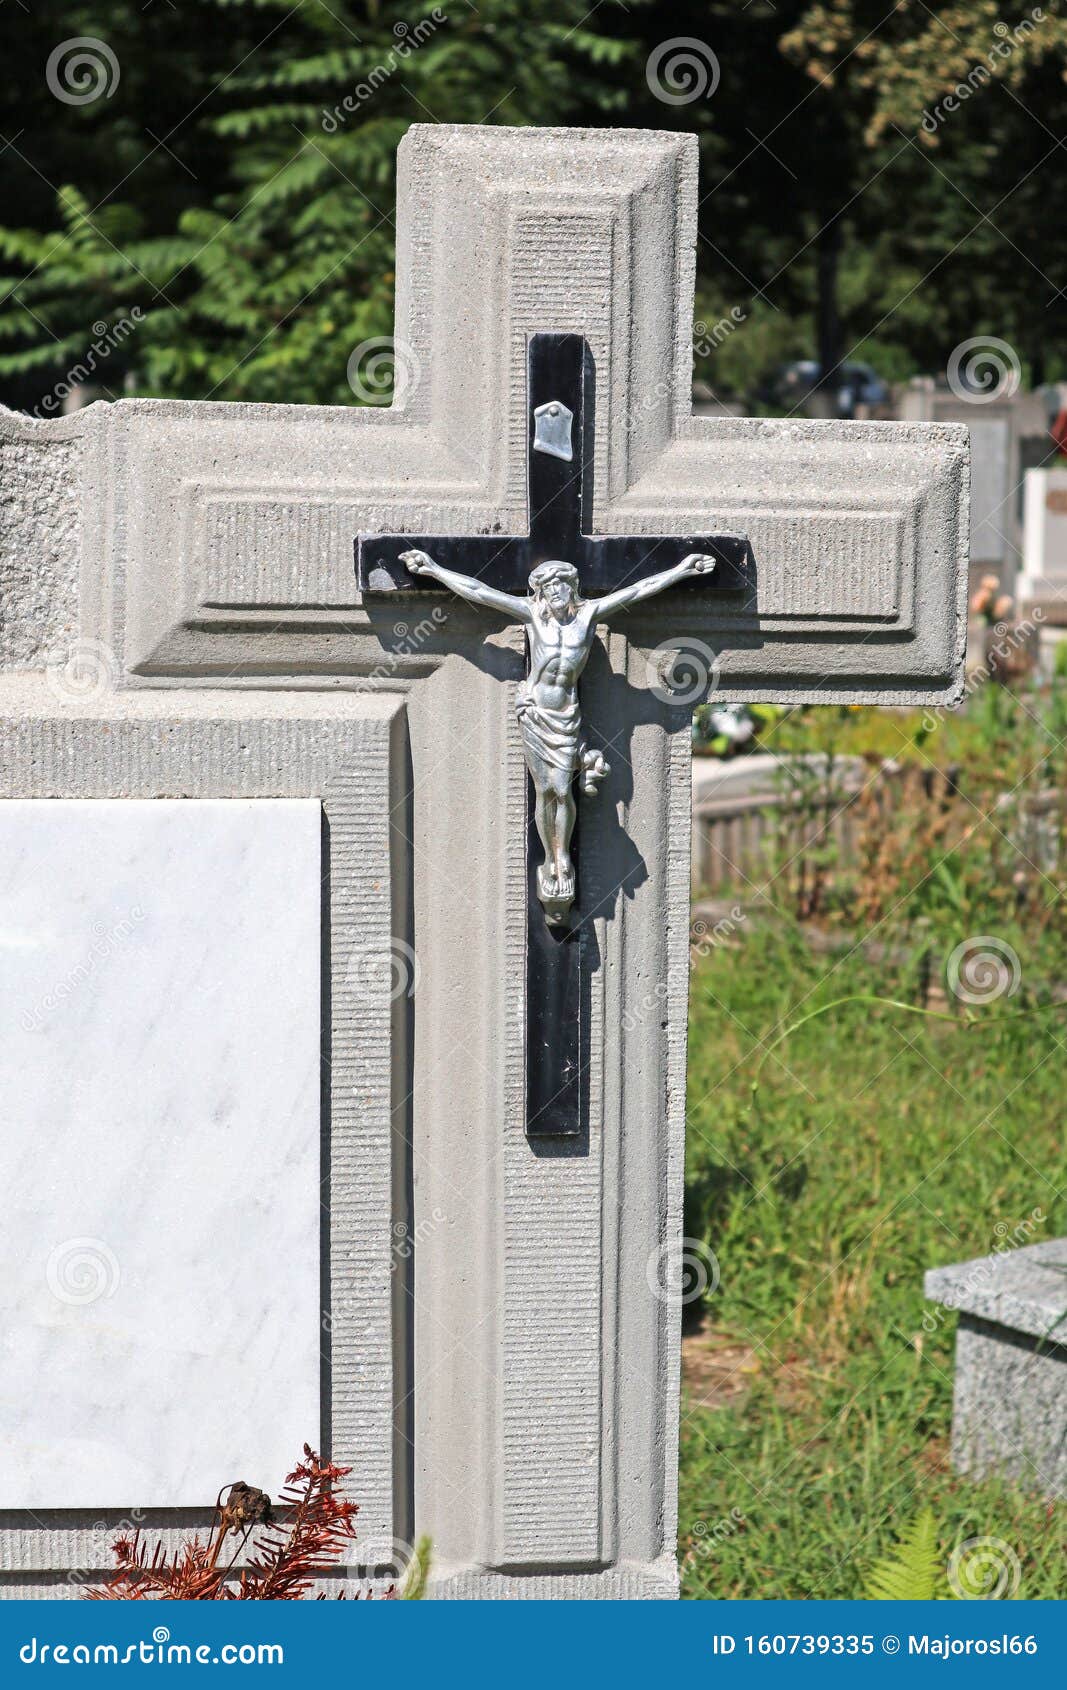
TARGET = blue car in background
x,y
789,386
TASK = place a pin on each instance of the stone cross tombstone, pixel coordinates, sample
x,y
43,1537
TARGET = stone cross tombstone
x,y
298,924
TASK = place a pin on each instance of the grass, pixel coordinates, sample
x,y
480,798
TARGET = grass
x,y
878,1144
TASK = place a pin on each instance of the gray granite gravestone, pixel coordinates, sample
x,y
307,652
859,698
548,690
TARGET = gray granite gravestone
x,y
1010,1410
498,1320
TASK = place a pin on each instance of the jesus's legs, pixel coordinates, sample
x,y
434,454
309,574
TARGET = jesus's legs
x,y
562,828
554,814
544,817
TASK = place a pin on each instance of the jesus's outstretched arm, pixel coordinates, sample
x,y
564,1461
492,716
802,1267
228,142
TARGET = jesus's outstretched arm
x,y
468,586
697,563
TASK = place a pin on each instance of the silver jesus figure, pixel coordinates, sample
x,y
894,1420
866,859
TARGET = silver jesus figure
x,y
560,627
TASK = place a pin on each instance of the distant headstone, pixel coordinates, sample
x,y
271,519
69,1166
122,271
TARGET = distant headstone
x,y
1043,583
1005,433
1010,1411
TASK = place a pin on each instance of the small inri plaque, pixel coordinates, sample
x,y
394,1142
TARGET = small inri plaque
x,y
552,430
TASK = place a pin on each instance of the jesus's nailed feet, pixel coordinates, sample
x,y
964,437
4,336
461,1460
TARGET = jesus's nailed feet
x,y
556,894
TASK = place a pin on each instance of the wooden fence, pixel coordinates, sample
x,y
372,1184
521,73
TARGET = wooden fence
x,y
794,820
742,810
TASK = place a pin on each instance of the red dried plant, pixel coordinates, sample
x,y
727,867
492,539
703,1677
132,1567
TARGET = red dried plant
x,y
286,1558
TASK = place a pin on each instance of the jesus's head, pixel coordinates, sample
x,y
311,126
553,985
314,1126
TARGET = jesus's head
x,y
554,585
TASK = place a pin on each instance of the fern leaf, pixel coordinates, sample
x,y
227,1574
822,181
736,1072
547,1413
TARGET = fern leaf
x,y
915,1571
413,1589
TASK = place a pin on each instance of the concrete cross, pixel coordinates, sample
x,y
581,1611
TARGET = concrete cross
x,y
521,1405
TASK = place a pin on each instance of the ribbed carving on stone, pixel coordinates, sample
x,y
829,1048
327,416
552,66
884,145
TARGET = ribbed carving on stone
x,y
561,278
368,965
550,1478
678,753
634,1584
275,552
76,758
846,564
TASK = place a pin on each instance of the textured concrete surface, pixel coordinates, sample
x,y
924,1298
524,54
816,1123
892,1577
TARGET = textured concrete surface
x,y
42,506
1010,1407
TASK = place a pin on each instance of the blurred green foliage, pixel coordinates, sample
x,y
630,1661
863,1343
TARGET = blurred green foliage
x,y
878,1144
237,183
244,208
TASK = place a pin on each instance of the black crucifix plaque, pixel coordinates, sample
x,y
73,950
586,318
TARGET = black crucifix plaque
x,y
559,581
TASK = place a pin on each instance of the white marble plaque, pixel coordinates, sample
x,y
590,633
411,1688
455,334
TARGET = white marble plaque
x,y
159,1159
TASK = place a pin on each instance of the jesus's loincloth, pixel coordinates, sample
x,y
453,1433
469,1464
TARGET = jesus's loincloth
x,y
550,737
